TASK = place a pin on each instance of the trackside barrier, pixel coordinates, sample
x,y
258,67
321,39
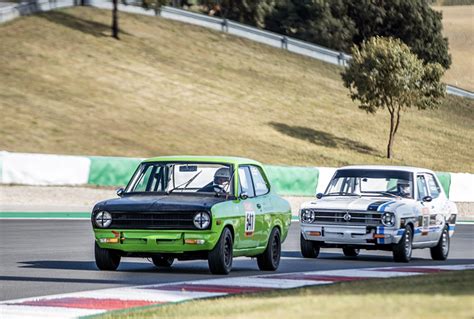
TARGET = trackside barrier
x,y
45,169
10,11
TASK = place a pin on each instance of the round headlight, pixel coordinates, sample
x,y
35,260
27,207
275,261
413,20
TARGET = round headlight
x,y
103,219
308,216
202,220
388,219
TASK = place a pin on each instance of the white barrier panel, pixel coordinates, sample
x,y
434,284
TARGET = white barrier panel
x,y
462,187
42,169
325,175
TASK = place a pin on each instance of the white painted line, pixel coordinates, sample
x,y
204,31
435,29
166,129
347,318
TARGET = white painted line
x,y
35,312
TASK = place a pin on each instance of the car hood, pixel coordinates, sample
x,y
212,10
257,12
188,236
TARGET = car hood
x,y
353,203
156,203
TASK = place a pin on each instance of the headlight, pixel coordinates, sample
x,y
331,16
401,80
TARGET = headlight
x,y
103,219
202,220
388,219
307,216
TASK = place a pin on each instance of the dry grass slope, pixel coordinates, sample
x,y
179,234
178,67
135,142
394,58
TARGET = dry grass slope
x,y
67,87
458,27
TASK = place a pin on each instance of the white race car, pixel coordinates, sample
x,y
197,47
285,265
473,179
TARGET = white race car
x,y
379,208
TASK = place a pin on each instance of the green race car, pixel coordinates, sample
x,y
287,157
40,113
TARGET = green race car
x,y
193,207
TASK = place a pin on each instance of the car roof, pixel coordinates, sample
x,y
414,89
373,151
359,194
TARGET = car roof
x,y
389,167
208,159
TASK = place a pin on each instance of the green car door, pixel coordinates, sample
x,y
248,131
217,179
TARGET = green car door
x,y
256,208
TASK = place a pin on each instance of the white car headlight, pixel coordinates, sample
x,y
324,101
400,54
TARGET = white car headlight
x,y
308,216
202,220
388,219
103,219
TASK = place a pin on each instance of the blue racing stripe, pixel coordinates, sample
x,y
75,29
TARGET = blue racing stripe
x,y
382,207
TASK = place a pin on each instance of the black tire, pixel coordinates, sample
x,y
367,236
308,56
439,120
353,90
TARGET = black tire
x,y
351,251
402,251
441,250
309,249
220,257
270,259
106,259
160,261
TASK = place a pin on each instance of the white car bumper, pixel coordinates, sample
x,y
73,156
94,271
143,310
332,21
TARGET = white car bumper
x,y
352,235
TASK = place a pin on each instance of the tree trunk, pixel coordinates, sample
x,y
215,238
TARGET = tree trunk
x,y
115,27
391,133
394,123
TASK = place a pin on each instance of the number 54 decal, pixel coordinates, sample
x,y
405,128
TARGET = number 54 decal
x,y
249,220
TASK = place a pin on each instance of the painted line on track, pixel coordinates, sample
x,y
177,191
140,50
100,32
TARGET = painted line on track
x,y
94,302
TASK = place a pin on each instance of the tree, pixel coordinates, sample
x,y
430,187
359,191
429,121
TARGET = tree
x,y
338,24
322,22
384,73
251,12
412,21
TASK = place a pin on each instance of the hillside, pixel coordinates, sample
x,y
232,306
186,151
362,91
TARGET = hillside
x,y
169,88
458,27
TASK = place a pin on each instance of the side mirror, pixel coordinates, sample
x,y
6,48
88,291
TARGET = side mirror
x,y
244,195
319,195
427,199
120,192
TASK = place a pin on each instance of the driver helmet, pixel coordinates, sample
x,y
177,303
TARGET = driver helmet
x,y
222,176
404,188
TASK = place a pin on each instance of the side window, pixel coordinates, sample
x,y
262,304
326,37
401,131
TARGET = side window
x,y
261,187
421,185
246,181
433,186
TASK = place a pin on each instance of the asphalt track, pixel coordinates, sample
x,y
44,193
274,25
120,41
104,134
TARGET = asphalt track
x,y
42,257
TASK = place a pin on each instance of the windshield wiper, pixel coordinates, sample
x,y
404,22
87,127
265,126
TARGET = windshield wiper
x,y
386,193
341,193
186,184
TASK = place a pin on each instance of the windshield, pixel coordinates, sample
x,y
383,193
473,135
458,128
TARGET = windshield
x,y
182,178
371,182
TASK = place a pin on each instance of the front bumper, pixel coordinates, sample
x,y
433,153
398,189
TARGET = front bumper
x,y
156,241
352,235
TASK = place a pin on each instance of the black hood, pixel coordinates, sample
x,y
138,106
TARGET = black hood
x,y
160,203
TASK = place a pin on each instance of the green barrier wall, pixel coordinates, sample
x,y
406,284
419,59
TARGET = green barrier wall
x,y
445,180
296,181
285,180
112,171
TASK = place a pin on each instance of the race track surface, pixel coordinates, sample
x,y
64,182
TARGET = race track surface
x,y
42,257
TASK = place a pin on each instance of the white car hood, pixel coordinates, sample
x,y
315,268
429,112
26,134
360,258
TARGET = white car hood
x,y
354,203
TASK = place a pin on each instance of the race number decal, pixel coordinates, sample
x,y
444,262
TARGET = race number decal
x,y
249,220
426,221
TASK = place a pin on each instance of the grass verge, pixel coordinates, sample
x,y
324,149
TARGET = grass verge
x,y
67,87
442,295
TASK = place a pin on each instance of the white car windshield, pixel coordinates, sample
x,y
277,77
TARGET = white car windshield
x,y
366,182
181,178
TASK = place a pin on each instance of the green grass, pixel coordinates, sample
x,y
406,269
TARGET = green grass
x,y
67,87
444,295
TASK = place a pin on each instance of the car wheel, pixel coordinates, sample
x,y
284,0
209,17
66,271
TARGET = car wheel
x,y
351,251
220,257
402,251
106,259
309,249
160,261
270,259
441,250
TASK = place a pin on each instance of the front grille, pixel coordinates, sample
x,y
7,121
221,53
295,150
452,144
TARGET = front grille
x,y
153,220
356,217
